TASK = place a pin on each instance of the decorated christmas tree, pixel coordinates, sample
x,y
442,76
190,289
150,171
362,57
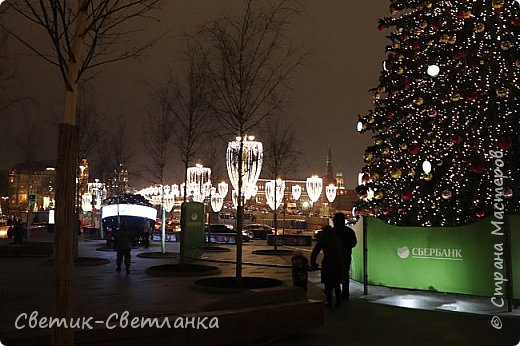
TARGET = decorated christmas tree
x,y
446,117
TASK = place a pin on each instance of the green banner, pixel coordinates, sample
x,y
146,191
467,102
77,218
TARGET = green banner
x,y
193,219
446,259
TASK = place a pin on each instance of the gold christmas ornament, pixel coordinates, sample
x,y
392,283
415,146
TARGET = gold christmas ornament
x,y
505,45
428,4
430,43
417,31
502,92
374,176
455,97
378,194
378,141
419,101
479,27
423,24
411,173
497,4
452,40
376,96
368,157
396,45
400,70
371,119
444,38
403,146
396,173
400,57
427,177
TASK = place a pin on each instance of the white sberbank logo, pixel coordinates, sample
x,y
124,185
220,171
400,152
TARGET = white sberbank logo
x,y
430,253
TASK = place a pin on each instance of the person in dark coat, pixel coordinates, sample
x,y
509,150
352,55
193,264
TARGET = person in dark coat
x,y
348,239
300,268
18,231
123,238
332,269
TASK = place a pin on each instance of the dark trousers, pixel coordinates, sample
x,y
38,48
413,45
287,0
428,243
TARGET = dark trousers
x,y
346,281
123,254
328,293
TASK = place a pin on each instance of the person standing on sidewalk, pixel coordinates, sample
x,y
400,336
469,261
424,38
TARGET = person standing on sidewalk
x,y
348,239
332,264
123,238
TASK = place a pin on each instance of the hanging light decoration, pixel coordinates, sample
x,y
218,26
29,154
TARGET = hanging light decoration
x,y
314,186
252,158
223,189
234,198
175,190
330,191
296,192
217,201
272,188
199,178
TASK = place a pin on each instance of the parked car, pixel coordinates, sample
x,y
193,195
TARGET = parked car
x,y
259,231
228,229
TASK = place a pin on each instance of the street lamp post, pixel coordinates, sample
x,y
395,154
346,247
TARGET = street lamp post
x,y
244,158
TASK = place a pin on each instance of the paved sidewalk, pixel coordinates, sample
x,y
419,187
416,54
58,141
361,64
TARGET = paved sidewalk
x,y
385,316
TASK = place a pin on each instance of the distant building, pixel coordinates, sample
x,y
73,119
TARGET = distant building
x,y
118,182
36,179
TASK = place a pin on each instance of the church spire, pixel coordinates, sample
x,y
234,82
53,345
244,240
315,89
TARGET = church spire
x,y
328,178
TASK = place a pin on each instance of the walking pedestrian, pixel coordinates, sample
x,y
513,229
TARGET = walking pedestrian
x,y
123,238
332,264
348,240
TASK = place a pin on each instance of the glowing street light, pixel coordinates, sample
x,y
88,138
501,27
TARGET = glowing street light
x,y
296,192
274,191
217,201
198,178
314,186
252,158
223,189
330,191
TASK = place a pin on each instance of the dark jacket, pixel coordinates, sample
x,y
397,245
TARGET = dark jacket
x,y
332,265
123,239
348,239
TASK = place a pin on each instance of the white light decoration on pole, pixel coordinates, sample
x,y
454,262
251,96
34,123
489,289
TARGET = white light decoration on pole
x,y
330,191
217,201
433,70
427,167
86,202
252,158
296,192
234,198
314,186
274,188
199,177
223,189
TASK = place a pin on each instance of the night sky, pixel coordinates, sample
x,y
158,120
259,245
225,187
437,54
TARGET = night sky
x,y
327,93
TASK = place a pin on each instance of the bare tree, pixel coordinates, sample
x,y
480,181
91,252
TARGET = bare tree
x,y
280,156
83,34
189,106
159,134
248,63
89,121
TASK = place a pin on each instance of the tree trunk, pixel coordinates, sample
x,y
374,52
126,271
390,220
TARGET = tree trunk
x,y
66,223
64,232
183,231
240,211
163,218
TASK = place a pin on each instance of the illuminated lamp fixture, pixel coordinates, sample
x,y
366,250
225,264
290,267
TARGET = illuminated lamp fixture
x,y
296,192
252,158
274,191
314,186
330,191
